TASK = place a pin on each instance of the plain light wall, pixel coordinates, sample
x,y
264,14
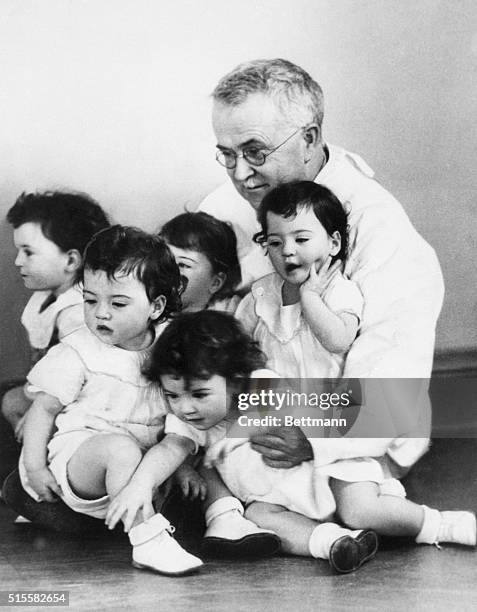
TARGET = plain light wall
x,y
111,97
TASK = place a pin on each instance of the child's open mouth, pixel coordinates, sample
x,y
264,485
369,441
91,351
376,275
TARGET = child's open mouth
x,y
104,329
289,268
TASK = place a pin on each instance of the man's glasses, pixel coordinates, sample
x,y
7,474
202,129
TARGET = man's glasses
x,y
252,155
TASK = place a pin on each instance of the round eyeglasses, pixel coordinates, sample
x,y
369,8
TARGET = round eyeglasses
x,y
253,155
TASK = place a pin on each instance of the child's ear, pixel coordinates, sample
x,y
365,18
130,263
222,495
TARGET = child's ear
x,y
74,260
217,282
157,307
335,243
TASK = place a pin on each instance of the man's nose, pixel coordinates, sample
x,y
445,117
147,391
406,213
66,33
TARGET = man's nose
x,y
19,259
242,169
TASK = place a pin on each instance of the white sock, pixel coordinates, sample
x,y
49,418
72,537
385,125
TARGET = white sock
x,y
221,506
324,535
430,526
457,527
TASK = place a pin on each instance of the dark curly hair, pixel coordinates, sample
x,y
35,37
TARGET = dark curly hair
x,y
124,250
214,238
202,344
68,219
287,199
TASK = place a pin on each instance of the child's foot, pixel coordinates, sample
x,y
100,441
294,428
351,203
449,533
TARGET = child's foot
x,y
454,527
345,549
458,528
349,552
230,535
154,548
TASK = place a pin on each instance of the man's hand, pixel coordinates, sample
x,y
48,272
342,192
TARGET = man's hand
x,y
127,504
283,447
44,484
190,482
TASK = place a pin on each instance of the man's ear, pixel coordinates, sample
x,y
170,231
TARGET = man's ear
x,y
73,261
312,137
335,243
157,307
217,282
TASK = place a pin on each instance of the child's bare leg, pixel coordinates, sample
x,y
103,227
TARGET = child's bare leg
x,y
228,533
103,465
346,550
361,506
15,405
293,529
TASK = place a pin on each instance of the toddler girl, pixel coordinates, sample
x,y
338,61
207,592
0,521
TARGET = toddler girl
x,y
90,390
194,361
205,250
305,315
50,232
201,360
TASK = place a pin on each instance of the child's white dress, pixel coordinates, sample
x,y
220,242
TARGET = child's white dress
x,y
103,391
284,335
304,488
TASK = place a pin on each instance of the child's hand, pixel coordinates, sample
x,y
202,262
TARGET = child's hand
x,y
19,427
317,282
127,504
190,482
44,484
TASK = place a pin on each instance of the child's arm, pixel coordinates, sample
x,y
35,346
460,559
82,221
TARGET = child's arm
x,y
39,424
336,332
157,465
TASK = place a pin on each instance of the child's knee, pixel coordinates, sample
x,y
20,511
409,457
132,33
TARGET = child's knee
x,y
121,449
258,512
14,404
356,505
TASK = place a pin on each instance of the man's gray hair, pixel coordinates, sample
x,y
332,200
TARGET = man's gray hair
x,y
296,94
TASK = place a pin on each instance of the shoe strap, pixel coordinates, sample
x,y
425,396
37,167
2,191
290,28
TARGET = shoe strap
x,y
221,506
149,529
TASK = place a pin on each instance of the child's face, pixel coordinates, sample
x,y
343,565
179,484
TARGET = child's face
x,y
201,403
296,243
202,281
118,310
43,265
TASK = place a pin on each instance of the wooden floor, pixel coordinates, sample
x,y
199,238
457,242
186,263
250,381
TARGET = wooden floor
x,y
404,576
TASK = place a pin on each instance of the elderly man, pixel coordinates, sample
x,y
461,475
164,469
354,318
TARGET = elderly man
x,y
267,117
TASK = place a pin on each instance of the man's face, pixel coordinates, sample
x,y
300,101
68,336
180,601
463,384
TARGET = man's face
x,y
258,123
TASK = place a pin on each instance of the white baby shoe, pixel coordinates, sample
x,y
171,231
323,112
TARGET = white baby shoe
x,y
230,535
154,548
